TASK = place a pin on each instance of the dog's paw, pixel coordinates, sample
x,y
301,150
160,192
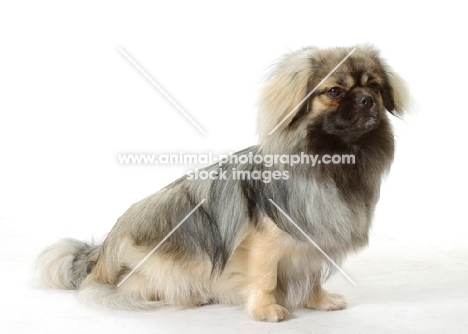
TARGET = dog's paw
x,y
272,312
327,301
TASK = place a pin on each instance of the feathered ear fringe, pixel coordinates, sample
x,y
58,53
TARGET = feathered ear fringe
x,y
401,98
283,90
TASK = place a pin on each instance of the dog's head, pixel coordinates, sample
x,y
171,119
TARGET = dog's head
x,y
315,87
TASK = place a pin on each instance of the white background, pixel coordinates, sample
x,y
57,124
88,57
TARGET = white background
x,y
70,102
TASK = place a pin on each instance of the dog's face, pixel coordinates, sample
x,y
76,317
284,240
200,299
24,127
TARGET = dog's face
x,y
352,100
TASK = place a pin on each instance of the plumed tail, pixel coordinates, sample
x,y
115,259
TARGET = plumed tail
x,y
65,264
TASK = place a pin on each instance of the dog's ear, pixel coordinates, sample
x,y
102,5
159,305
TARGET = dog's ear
x,y
283,90
395,93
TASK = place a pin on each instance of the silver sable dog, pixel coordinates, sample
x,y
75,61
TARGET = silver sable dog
x,y
237,247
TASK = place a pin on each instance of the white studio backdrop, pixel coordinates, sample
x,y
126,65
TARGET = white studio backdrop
x,y
70,102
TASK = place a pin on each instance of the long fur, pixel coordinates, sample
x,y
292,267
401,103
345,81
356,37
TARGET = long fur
x,y
237,248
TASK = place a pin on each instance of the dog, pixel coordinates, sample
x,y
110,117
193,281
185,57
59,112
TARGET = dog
x,y
239,245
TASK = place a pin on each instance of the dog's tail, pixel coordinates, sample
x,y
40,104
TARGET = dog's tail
x,y
66,264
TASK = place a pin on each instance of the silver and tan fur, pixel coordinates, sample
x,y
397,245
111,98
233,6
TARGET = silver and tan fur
x,y
237,248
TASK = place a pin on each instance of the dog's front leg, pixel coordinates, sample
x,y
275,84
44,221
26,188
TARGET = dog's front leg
x,y
321,299
263,252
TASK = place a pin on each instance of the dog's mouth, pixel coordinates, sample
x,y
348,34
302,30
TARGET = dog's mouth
x,y
359,124
365,123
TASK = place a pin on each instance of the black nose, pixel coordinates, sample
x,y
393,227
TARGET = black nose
x,y
365,100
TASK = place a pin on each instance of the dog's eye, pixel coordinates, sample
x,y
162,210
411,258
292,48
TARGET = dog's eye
x,y
375,87
335,92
